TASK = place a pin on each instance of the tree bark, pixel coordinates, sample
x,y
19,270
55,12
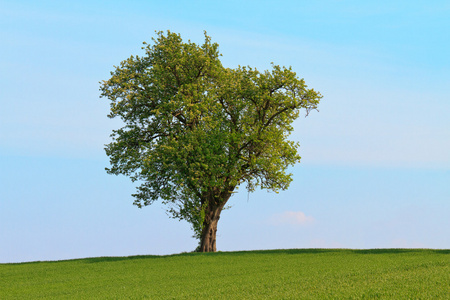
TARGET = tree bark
x,y
212,216
208,238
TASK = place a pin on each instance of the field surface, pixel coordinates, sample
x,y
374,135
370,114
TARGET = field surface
x,y
271,274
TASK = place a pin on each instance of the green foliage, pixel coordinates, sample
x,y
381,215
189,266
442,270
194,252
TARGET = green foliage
x,y
195,130
276,274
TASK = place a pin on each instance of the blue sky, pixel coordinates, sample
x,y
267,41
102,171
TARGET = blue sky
x,y
375,168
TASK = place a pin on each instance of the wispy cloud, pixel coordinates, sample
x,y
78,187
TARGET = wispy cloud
x,y
291,218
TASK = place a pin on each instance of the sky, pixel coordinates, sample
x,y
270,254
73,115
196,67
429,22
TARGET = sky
x,y
375,169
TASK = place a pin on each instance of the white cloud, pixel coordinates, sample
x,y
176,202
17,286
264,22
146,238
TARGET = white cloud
x,y
291,218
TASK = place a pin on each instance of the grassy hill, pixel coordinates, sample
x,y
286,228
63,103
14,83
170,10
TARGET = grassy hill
x,y
272,274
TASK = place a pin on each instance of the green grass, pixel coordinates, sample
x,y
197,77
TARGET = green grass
x,y
272,274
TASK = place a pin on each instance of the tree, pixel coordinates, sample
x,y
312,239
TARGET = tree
x,y
194,130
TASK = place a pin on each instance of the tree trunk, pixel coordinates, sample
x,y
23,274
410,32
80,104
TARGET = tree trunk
x,y
208,238
212,216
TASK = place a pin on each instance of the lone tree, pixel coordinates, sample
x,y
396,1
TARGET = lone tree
x,y
195,130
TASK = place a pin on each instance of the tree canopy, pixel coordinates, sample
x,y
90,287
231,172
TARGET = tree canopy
x,y
195,130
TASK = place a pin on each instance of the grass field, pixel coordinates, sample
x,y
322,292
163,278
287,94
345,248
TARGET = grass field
x,y
271,274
